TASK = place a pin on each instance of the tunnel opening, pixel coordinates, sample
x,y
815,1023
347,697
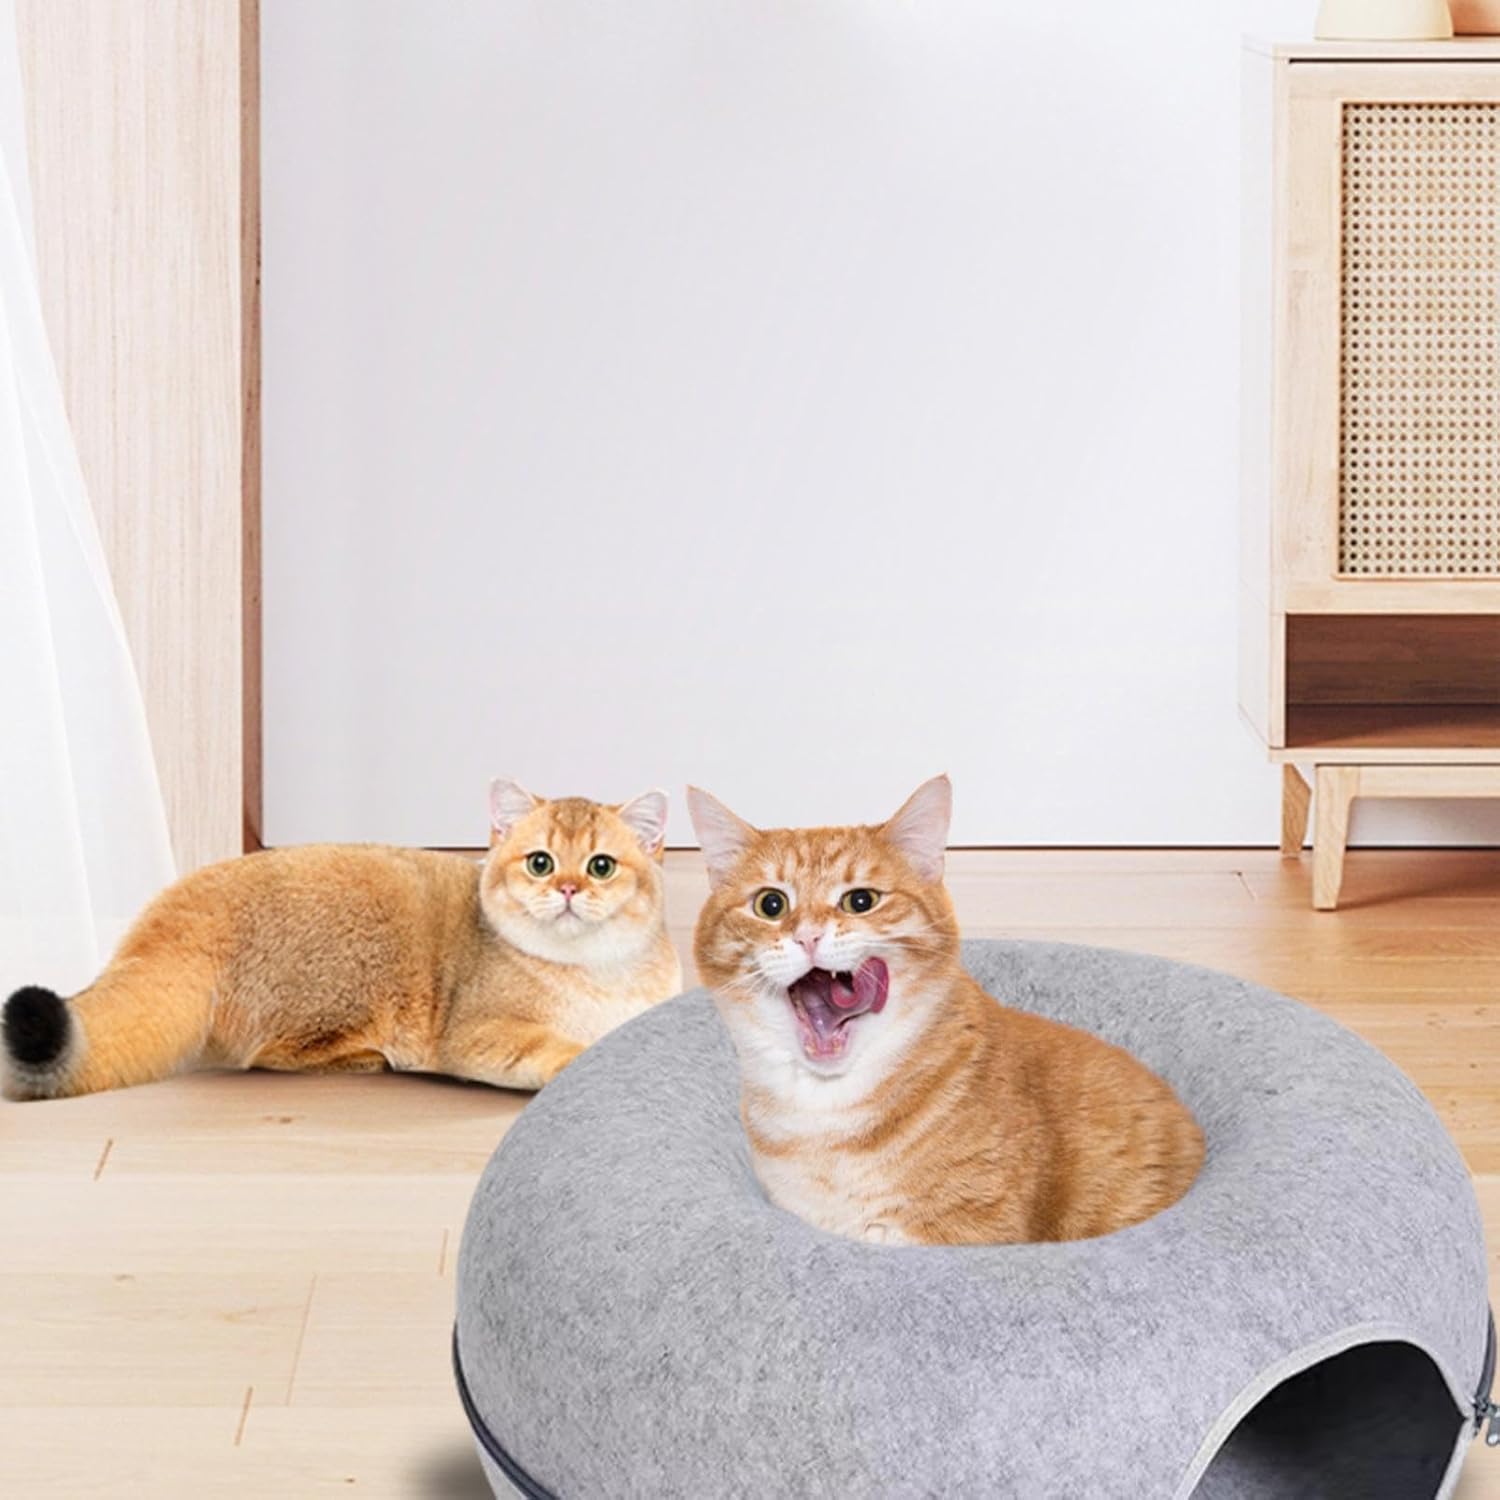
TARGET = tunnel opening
x,y
1376,1422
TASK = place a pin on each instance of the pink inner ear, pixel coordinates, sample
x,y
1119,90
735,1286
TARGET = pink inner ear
x,y
509,803
920,828
646,817
722,836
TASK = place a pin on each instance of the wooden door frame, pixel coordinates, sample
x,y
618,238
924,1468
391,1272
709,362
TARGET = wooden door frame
x,y
143,135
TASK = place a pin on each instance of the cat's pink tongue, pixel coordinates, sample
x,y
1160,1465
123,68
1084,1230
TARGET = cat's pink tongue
x,y
872,983
828,1000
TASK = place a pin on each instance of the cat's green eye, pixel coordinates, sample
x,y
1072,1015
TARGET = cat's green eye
x,y
602,866
858,902
769,904
541,864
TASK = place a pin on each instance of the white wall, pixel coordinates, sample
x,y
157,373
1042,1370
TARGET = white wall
x,y
797,397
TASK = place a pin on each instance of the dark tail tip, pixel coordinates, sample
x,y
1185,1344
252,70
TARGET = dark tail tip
x,y
36,1026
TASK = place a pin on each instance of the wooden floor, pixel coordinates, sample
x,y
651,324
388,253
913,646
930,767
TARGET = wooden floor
x,y
242,1285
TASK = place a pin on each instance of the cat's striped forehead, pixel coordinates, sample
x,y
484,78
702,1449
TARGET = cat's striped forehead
x,y
573,817
818,858
575,825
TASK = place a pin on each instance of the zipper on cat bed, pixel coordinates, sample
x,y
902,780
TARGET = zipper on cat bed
x,y
1490,1412
1486,1410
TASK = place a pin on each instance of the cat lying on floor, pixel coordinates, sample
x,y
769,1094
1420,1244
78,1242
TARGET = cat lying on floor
x,y
886,1096
359,958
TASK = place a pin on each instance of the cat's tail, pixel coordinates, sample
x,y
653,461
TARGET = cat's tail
x,y
139,1022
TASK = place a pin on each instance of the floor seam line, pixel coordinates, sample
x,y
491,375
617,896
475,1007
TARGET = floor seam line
x,y
239,1432
301,1339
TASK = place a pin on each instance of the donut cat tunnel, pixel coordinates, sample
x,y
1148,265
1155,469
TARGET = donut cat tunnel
x,y
636,1319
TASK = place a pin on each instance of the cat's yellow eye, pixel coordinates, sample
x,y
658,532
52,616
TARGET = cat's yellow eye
x,y
602,866
769,904
540,864
858,902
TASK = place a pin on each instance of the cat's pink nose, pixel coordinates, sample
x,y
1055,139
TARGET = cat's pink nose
x,y
808,941
568,891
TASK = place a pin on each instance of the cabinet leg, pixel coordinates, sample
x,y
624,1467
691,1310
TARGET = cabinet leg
x,y
1338,786
1296,798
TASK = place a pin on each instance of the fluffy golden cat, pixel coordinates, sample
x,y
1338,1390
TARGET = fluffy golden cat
x,y
356,958
886,1096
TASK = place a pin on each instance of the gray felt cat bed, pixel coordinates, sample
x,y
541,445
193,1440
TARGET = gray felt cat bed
x,y
636,1319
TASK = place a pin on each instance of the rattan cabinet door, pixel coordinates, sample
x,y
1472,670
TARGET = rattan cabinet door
x,y
1419,291
1388,364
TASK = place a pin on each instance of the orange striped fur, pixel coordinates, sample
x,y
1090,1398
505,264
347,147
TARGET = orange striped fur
x,y
359,958
943,1117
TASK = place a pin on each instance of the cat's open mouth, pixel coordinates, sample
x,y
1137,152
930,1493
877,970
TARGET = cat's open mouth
x,y
824,1004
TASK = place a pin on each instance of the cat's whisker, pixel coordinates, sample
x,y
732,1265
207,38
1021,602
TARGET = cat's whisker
x,y
740,982
930,941
751,985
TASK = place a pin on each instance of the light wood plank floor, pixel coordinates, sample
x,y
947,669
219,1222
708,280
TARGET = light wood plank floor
x,y
242,1285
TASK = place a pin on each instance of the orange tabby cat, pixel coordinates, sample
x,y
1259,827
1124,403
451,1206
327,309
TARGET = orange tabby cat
x,y
358,958
886,1096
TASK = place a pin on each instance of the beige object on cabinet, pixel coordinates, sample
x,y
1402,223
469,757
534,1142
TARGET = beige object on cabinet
x,y
1370,585
143,136
1390,20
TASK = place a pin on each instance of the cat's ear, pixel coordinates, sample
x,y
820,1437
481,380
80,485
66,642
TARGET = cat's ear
x,y
920,829
646,817
723,837
509,803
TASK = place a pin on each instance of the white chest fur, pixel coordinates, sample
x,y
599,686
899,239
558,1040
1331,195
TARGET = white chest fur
x,y
585,1017
804,1129
591,1001
804,1120
841,1193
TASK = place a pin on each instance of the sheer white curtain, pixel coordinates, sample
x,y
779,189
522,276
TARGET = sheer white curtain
x,y
83,834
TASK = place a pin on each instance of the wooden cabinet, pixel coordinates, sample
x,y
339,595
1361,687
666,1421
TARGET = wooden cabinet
x,y
1370,580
